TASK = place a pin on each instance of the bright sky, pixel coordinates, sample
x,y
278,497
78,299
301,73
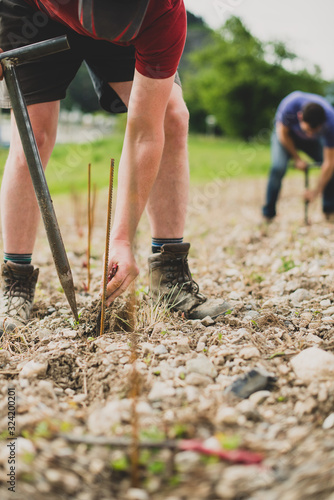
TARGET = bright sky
x,y
306,26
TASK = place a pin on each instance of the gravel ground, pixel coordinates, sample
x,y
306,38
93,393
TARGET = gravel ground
x,y
69,384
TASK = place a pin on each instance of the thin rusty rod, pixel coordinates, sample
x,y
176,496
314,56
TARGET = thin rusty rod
x,y
93,207
106,252
306,202
134,384
89,215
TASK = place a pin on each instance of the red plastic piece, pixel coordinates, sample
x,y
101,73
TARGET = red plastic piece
x,y
235,456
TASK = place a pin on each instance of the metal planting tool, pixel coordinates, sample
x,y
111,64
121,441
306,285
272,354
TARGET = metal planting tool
x,y
106,276
307,184
9,60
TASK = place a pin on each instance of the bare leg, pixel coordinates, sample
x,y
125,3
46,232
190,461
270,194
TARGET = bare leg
x,y
167,204
19,209
168,199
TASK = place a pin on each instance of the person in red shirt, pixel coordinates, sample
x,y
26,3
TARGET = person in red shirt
x,y
132,49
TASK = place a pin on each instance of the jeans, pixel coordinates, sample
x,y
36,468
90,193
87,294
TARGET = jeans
x,y
279,161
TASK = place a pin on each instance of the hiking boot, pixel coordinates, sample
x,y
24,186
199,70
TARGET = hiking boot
x,y
18,290
171,282
329,216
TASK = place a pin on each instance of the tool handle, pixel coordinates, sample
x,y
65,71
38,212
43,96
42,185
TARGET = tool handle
x,y
36,50
307,183
306,202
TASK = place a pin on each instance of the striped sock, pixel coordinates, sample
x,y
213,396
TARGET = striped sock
x,y
158,242
18,258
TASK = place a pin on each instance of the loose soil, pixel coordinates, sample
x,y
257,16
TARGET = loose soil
x,y
141,382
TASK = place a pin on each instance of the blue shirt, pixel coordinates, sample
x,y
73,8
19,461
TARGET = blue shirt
x,y
293,103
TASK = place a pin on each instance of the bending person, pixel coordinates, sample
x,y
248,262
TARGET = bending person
x,y
303,122
132,50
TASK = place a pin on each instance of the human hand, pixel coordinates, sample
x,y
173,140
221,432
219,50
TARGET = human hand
x,y
122,269
301,164
310,195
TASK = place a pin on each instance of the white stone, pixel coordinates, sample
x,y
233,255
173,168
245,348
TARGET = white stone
x,y
192,393
101,420
241,480
325,303
227,415
147,348
305,407
70,481
313,363
4,356
136,494
313,338
200,347
96,465
24,446
167,372
329,311
79,398
242,333
185,461
160,349
297,433
159,328
44,333
291,286
249,352
69,333
251,315
160,391
34,369
328,422
322,393
207,321
53,475
182,346
212,443
275,301
46,389
259,397
198,379
202,365
299,296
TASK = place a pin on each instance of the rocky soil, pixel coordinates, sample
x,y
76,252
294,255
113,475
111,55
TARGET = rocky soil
x,y
70,384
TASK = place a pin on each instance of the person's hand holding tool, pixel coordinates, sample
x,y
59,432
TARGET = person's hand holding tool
x,y
122,269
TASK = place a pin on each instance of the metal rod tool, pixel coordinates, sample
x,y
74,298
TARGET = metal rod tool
x,y
306,204
307,185
106,276
8,60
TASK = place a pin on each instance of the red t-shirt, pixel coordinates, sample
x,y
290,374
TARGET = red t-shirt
x,y
159,43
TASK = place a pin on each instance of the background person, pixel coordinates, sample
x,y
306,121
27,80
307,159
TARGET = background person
x,y
303,122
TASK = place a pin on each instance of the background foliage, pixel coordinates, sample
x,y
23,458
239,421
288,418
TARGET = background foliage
x,y
229,74
240,80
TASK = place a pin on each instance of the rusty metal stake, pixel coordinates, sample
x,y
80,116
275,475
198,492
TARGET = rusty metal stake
x,y
306,202
307,185
89,213
8,60
106,252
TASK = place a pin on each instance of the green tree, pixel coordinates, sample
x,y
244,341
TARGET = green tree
x,y
241,80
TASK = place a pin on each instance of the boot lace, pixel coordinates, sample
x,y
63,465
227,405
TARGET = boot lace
x,y
17,288
178,275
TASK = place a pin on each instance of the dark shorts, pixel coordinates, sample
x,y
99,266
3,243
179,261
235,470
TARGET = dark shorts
x,y
47,79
